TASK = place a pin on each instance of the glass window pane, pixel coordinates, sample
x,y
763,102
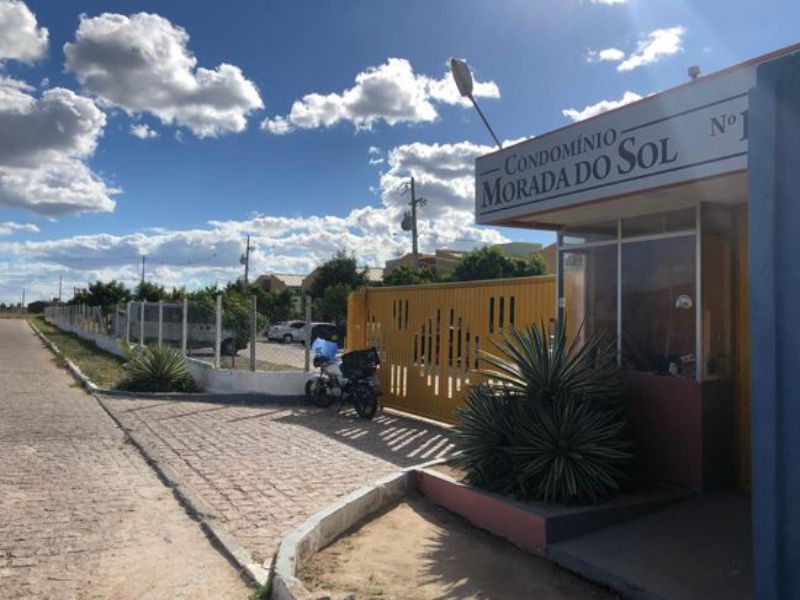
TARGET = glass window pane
x,y
658,306
590,289
679,220
594,232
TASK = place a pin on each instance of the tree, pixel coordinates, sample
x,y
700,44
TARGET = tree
x,y
150,292
405,275
332,306
493,263
341,269
333,282
273,306
102,294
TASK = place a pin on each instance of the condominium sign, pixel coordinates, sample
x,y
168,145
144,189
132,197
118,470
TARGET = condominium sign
x,y
694,131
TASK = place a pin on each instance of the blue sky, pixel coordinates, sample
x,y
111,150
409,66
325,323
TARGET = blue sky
x,y
225,153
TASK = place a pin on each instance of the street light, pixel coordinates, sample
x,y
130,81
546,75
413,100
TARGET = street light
x,y
463,79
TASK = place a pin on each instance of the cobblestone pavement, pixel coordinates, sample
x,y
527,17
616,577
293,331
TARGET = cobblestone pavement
x,y
81,514
262,470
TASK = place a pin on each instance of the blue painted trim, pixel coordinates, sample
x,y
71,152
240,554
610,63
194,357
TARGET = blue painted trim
x,y
774,295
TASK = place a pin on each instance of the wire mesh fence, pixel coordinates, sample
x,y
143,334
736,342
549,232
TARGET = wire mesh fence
x,y
91,319
236,333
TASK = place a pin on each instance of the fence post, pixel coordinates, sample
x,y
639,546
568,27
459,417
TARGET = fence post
x,y
184,325
128,323
253,326
307,335
141,322
218,336
160,322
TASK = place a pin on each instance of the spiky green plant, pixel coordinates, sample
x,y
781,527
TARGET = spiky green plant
x,y
485,426
568,451
158,369
528,363
550,424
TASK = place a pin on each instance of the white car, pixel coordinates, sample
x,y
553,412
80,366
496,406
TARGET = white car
x,y
287,332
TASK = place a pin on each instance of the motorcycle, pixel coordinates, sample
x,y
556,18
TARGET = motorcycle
x,y
351,379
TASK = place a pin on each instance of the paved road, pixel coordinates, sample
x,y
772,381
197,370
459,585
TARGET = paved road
x,y
262,470
282,356
81,514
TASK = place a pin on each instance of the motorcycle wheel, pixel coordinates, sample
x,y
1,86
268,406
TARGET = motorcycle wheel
x,y
316,395
365,400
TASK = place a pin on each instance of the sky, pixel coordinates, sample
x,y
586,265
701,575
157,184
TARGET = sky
x,y
175,129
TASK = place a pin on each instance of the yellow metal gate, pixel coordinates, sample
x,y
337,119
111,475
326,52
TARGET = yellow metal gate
x,y
429,336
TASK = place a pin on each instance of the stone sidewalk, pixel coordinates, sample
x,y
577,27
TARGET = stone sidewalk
x,y
262,470
81,514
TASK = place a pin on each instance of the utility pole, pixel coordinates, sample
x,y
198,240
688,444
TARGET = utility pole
x,y
60,279
143,259
23,298
245,260
414,240
410,224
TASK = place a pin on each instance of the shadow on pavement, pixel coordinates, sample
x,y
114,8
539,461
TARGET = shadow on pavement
x,y
399,440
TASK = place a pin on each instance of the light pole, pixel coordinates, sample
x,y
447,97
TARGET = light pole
x,y
463,79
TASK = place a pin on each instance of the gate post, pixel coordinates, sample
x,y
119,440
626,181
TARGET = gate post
x,y
774,286
357,319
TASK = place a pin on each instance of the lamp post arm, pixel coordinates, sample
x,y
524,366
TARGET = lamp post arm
x,y
485,122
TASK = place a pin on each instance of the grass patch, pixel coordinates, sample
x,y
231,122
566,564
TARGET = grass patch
x,y
242,363
261,592
102,368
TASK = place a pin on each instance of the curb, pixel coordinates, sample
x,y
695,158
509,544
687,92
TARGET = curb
x,y
323,527
71,366
195,507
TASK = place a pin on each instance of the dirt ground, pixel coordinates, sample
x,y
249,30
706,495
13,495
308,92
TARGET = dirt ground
x,y
418,551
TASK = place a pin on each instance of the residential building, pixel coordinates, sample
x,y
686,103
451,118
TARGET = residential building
x,y
278,282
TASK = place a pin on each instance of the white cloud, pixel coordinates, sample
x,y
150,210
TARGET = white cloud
x,y
46,141
601,107
650,49
608,2
143,131
375,157
10,227
443,173
142,63
20,37
661,42
607,54
391,92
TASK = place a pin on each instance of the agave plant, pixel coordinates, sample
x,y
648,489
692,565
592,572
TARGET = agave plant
x,y
532,365
568,451
485,427
549,425
158,369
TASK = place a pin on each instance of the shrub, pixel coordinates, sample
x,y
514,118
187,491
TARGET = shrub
x,y
550,423
158,369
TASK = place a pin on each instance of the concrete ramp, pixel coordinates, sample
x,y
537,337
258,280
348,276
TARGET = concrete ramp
x,y
698,549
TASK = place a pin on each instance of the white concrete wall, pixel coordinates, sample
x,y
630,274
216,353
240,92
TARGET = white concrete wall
x,y
274,383
218,381
105,342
